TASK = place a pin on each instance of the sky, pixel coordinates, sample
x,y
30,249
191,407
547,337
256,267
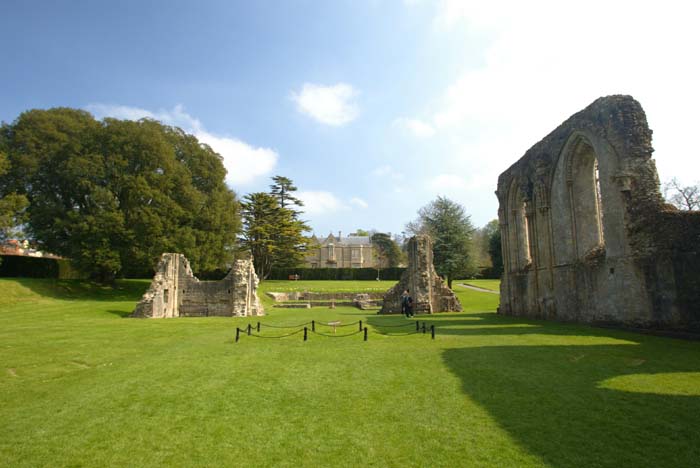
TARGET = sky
x,y
372,107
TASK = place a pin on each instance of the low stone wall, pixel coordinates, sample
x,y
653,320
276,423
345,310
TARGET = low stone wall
x,y
313,296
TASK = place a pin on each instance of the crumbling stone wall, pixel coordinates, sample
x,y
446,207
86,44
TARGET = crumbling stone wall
x,y
176,292
585,233
427,289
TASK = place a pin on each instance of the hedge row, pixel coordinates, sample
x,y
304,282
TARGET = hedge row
x,y
18,266
28,267
337,273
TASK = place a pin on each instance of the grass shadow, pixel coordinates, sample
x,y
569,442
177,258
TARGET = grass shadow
x,y
122,290
119,313
550,399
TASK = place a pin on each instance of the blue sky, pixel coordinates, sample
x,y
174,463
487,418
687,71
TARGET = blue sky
x,y
373,107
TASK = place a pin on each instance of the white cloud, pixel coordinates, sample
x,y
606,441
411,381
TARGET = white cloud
x,y
444,182
358,202
320,202
417,127
387,171
331,105
539,66
243,162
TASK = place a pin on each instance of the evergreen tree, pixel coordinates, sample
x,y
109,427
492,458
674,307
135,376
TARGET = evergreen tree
x,y
261,213
272,230
291,243
496,253
451,230
282,189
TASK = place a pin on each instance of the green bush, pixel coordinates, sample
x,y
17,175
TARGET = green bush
x,y
335,274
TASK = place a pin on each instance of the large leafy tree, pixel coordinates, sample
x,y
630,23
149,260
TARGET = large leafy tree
x,y
481,242
451,230
387,250
12,205
113,195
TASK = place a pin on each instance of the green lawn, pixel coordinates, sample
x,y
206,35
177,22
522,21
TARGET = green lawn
x,y
81,385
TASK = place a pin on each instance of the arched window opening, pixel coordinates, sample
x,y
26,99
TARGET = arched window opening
x,y
586,198
528,242
519,234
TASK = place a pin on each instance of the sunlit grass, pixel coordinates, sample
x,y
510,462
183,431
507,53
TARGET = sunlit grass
x,y
81,385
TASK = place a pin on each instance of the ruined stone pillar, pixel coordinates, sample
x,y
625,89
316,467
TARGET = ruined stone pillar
x,y
429,293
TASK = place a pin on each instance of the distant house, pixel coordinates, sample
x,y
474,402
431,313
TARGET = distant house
x,y
22,248
352,251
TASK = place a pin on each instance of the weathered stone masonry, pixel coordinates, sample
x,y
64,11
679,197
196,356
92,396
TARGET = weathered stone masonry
x,y
586,235
429,293
176,292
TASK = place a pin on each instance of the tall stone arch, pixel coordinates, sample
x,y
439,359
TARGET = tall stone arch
x,y
602,246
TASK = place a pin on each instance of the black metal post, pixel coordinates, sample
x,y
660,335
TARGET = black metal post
x,y
313,325
306,333
360,325
238,332
432,331
250,329
424,328
365,333
258,327
417,325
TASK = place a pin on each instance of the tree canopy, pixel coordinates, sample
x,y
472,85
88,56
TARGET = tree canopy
x,y
387,250
451,230
12,205
113,195
272,230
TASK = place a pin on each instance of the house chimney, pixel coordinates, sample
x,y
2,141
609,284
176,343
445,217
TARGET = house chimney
x,y
340,234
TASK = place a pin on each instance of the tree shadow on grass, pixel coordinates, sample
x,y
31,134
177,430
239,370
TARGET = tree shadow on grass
x,y
554,401
120,313
122,290
467,324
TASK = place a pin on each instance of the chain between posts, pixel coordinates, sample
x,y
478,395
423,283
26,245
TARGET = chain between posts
x,y
420,327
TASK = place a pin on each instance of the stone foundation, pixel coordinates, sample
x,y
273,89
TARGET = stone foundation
x,y
429,293
176,292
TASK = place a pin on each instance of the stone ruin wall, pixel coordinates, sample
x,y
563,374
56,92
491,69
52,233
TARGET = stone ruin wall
x,y
429,293
176,292
586,235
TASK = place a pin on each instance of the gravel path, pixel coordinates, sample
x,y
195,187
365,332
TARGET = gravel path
x,y
477,288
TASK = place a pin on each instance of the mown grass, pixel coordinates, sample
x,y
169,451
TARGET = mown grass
x,y
82,386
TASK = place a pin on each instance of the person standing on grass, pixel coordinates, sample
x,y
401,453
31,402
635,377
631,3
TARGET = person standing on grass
x,y
409,304
404,301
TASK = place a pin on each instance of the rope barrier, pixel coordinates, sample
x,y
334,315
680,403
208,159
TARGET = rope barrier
x,y
284,326
337,336
278,336
398,334
419,329
411,324
329,324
